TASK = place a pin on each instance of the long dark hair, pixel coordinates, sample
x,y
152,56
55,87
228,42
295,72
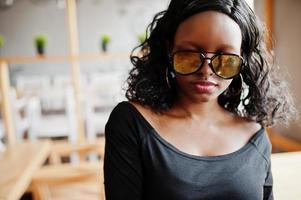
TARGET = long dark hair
x,y
268,98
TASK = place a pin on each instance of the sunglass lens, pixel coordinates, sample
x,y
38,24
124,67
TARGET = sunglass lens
x,y
186,62
227,66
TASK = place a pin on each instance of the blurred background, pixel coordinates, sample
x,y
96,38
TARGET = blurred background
x,y
63,66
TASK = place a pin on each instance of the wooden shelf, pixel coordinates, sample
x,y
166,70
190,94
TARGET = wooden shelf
x,y
63,58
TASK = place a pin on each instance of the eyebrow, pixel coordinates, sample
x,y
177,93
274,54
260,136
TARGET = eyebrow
x,y
184,45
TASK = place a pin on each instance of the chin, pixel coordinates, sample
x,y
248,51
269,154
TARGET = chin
x,y
205,98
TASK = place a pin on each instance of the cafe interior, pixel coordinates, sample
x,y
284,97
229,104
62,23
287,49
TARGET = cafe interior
x,y
63,68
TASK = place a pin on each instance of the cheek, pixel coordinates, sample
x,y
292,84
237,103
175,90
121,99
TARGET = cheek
x,y
224,84
182,80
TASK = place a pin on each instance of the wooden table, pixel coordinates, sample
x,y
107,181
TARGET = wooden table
x,y
286,169
17,166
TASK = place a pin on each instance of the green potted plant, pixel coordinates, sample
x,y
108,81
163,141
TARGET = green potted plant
x,y
105,40
40,42
2,41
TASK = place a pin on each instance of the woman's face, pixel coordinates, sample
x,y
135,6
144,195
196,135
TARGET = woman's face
x,y
208,31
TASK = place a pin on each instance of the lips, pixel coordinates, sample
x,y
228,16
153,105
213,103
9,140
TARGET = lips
x,y
204,86
205,83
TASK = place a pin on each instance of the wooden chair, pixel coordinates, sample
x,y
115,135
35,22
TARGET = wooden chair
x,y
102,94
71,181
42,125
32,85
19,109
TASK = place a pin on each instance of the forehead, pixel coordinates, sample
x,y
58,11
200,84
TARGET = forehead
x,y
210,30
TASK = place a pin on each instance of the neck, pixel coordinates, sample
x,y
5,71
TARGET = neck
x,y
209,111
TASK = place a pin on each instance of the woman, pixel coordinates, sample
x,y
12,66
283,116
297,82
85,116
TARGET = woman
x,y
200,95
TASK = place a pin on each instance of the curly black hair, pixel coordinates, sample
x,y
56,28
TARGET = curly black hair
x,y
268,98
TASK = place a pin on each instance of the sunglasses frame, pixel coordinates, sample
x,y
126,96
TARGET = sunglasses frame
x,y
202,56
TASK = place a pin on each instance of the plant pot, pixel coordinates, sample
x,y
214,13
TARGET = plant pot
x,y
104,47
40,50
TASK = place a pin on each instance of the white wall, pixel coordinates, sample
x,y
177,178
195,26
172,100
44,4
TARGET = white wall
x,y
287,30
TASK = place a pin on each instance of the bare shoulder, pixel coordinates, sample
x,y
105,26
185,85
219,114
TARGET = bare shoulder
x,y
249,127
140,107
146,112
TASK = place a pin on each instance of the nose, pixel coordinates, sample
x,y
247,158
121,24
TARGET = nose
x,y
205,69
